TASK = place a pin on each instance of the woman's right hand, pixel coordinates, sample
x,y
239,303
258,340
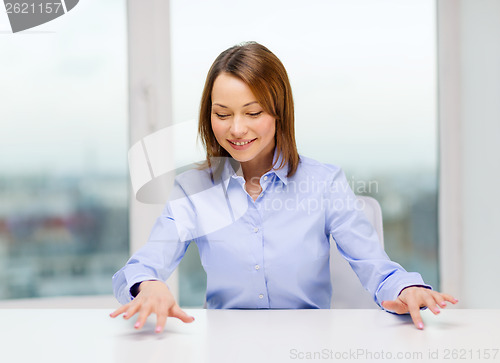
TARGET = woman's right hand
x,y
153,297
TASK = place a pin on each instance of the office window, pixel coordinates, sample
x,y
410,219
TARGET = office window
x,y
364,79
63,146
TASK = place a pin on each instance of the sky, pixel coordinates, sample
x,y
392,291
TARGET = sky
x,y
363,73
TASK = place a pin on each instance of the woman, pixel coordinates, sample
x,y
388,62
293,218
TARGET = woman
x,y
260,214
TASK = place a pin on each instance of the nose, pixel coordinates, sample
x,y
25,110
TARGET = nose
x,y
238,127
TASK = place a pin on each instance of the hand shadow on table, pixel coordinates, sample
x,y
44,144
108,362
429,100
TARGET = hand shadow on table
x,y
147,332
430,322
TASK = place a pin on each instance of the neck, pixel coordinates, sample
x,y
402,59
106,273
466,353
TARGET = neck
x,y
254,169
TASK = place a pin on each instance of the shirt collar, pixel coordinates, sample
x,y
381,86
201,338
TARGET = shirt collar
x,y
281,173
232,169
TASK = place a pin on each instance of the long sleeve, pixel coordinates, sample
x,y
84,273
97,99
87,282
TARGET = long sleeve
x,y
358,243
167,244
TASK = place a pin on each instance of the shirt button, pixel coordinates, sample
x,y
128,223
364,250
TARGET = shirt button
x,y
265,178
257,267
256,230
261,296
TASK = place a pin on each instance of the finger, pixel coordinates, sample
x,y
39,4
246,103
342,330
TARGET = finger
x,y
161,319
395,305
119,311
177,312
431,303
143,316
449,298
439,298
133,308
414,310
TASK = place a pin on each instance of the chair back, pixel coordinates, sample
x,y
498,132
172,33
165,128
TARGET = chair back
x,y
347,291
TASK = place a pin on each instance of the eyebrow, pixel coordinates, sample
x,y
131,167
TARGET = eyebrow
x,y
245,105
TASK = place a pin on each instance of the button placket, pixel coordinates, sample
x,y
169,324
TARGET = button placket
x,y
264,183
258,258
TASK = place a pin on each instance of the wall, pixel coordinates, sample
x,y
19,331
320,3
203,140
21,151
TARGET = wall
x,y
150,103
469,97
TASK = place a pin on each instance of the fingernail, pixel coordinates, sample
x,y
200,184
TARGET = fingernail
x,y
443,303
136,325
420,325
125,315
158,329
192,317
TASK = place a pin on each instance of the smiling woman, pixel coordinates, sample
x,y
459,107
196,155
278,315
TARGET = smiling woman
x,y
246,132
261,257
240,125
248,97
257,89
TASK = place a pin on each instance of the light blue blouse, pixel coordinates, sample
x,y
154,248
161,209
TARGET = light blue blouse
x,y
269,253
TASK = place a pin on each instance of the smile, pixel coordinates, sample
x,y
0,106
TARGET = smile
x,y
240,143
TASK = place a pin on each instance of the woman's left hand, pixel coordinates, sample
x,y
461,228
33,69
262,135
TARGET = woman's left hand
x,y
412,298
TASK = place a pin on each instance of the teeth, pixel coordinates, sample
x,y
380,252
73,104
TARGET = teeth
x,y
241,143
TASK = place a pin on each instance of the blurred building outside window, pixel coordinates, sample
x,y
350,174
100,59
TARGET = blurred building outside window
x,y
64,182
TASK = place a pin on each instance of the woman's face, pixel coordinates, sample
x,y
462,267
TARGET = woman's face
x,y
240,124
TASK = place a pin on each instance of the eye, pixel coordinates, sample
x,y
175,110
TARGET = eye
x,y
221,116
255,114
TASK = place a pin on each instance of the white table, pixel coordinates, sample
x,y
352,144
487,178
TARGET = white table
x,y
90,335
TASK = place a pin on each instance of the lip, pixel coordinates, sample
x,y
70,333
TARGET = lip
x,y
241,147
